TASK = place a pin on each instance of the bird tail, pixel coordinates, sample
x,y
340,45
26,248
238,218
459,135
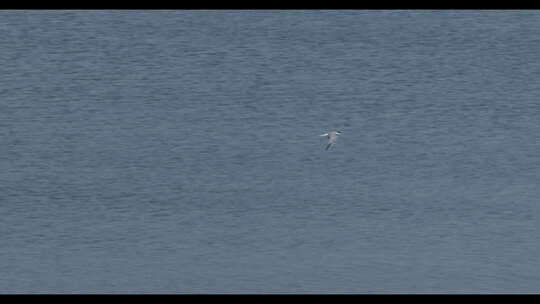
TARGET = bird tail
x,y
328,146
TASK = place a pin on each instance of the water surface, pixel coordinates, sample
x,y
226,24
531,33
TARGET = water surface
x,y
178,151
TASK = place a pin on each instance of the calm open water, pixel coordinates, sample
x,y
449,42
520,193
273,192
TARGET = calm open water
x,y
178,151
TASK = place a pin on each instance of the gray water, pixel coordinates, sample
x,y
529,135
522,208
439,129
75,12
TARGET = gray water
x,y
179,151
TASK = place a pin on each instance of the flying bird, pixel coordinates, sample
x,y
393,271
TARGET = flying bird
x,y
332,137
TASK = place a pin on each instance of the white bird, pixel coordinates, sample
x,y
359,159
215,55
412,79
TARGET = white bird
x,y
332,137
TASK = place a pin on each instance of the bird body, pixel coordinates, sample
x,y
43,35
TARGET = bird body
x,y
332,138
